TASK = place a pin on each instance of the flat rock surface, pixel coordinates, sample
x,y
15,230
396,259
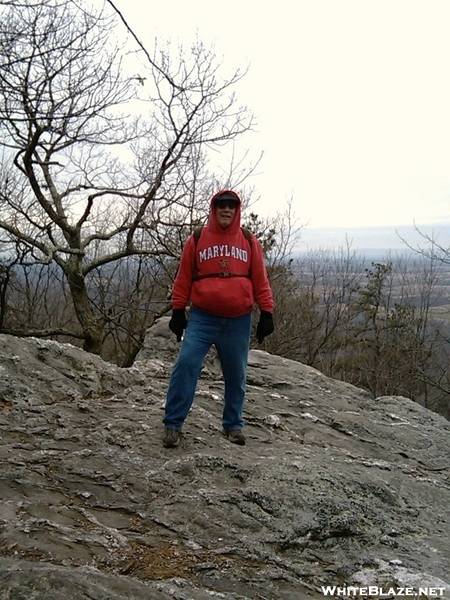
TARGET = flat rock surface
x,y
332,488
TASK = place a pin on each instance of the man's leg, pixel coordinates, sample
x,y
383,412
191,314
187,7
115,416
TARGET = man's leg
x,y
200,334
232,347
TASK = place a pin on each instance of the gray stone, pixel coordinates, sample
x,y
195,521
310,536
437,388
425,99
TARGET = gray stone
x,y
332,488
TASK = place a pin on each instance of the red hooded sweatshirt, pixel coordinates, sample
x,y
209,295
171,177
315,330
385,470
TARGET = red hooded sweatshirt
x,y
235,269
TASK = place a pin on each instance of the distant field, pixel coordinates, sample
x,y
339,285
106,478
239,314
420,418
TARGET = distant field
x,y
441,312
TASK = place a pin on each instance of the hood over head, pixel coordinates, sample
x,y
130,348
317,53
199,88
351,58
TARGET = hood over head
x,y
212,220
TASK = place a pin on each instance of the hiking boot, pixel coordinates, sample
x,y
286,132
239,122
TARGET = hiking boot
x,y
171,438
236,437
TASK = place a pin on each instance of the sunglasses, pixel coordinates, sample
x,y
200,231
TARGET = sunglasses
x,y
226,204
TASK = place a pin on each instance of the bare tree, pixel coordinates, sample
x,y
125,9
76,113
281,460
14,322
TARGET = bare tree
x,y
391,344
431,248
79,197
437,377
312,299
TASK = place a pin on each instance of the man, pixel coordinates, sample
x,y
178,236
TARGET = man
x,y
222,274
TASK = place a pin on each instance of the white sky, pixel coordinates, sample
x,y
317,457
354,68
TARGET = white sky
x,y
352,99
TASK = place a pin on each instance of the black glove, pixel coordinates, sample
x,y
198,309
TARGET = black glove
x,y
178,322
265,326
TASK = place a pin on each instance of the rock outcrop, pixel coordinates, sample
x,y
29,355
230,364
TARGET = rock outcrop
x,y
333,488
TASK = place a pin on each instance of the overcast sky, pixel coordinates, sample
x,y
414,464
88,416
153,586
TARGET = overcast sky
x,y
352,99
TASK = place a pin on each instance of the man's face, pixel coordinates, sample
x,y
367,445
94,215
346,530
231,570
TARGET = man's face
x,y
225,212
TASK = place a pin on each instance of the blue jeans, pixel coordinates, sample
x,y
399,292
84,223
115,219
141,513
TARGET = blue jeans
x,y
231,336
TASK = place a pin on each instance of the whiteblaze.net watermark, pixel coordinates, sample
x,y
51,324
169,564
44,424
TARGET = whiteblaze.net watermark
x,y
376,591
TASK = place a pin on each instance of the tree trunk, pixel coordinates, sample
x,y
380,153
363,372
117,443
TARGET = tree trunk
x,y
90,323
